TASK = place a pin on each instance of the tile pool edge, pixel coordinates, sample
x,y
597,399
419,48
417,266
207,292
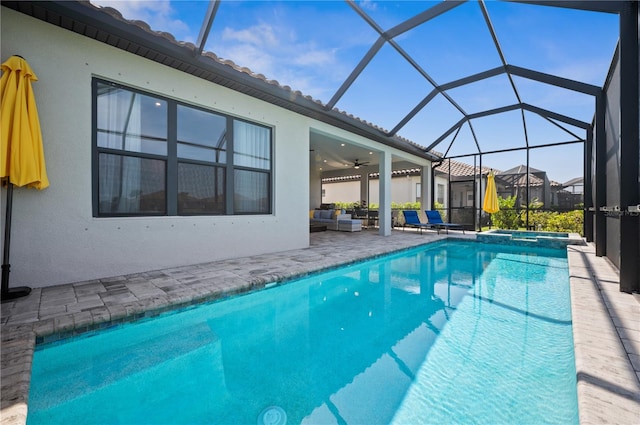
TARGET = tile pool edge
x,y
608,387
530,238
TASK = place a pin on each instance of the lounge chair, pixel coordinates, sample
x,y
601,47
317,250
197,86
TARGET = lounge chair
x,y
434,219
411,219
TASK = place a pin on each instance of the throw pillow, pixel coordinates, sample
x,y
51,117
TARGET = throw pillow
x,y
326,214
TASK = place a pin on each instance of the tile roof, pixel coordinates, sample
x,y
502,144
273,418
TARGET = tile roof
x,y
373,176
461,169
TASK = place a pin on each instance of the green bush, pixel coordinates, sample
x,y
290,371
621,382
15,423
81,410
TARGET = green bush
x,y
374,206
507,217
443,211
571,221
538,219
553,221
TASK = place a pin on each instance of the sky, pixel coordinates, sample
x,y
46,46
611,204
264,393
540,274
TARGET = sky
x,y
312,46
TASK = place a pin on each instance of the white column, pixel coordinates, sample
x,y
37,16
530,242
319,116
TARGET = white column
x,y
315,186
364,185
425,184
384,212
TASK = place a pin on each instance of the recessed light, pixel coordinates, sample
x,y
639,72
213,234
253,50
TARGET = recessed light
x,y
341,144
370,153
324,160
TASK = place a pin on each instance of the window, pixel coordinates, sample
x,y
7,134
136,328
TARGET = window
x,y
156,156
440,194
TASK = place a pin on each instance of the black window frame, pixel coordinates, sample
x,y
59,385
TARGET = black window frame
x,y
172,160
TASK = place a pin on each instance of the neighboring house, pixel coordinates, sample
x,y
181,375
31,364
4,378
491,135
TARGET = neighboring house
x,y
459,187
571,193
405,187
464,178
549,193
513,182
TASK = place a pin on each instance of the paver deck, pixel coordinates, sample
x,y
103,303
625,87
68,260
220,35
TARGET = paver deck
x,y
606,322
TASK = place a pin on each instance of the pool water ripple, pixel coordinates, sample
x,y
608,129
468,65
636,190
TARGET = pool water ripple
x,y
452,332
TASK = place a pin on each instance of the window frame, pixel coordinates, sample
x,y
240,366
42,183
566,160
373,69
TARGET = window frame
x,y
438,186
172,160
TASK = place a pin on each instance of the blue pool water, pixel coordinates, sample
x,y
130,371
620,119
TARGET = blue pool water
x,y
451,332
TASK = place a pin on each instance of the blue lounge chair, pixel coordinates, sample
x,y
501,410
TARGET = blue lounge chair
x,y
411,219
434,219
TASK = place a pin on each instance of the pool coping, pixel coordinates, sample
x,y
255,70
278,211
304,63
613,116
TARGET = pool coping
x,y
606,334
608,374
541,239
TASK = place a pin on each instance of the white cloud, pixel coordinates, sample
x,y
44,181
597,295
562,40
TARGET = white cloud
x,y
271,49
589,71
315,57
157,13
252,57
257,35
277,53
368,5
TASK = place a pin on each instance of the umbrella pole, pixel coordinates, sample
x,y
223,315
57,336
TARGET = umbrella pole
x,y
9,294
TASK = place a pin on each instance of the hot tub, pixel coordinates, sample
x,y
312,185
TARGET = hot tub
x,y
530,238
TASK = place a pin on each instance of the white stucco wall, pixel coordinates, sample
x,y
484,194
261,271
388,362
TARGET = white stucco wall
x,y
403,189
55,238
348,191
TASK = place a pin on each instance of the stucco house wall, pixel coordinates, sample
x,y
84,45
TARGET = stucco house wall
x,y
403,189
55,238
348,191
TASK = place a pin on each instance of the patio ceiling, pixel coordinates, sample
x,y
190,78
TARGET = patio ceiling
x,y
403,109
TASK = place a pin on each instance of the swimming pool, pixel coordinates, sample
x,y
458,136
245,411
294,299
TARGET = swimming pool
x,y
450,332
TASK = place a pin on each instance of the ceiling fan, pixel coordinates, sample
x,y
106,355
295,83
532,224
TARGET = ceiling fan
x,y
357,164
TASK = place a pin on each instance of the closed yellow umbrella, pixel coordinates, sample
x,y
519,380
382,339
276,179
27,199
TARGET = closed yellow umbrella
x,y
21,153
490,203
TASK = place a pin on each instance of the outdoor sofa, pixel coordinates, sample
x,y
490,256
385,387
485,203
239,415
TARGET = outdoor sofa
x,y
335,220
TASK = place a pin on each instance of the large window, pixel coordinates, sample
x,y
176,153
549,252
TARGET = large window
x,y
155,156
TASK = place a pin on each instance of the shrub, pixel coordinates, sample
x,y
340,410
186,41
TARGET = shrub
x,y
553,221
507,217
440,207
405,206
538,219
346,205
571,221
374,206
